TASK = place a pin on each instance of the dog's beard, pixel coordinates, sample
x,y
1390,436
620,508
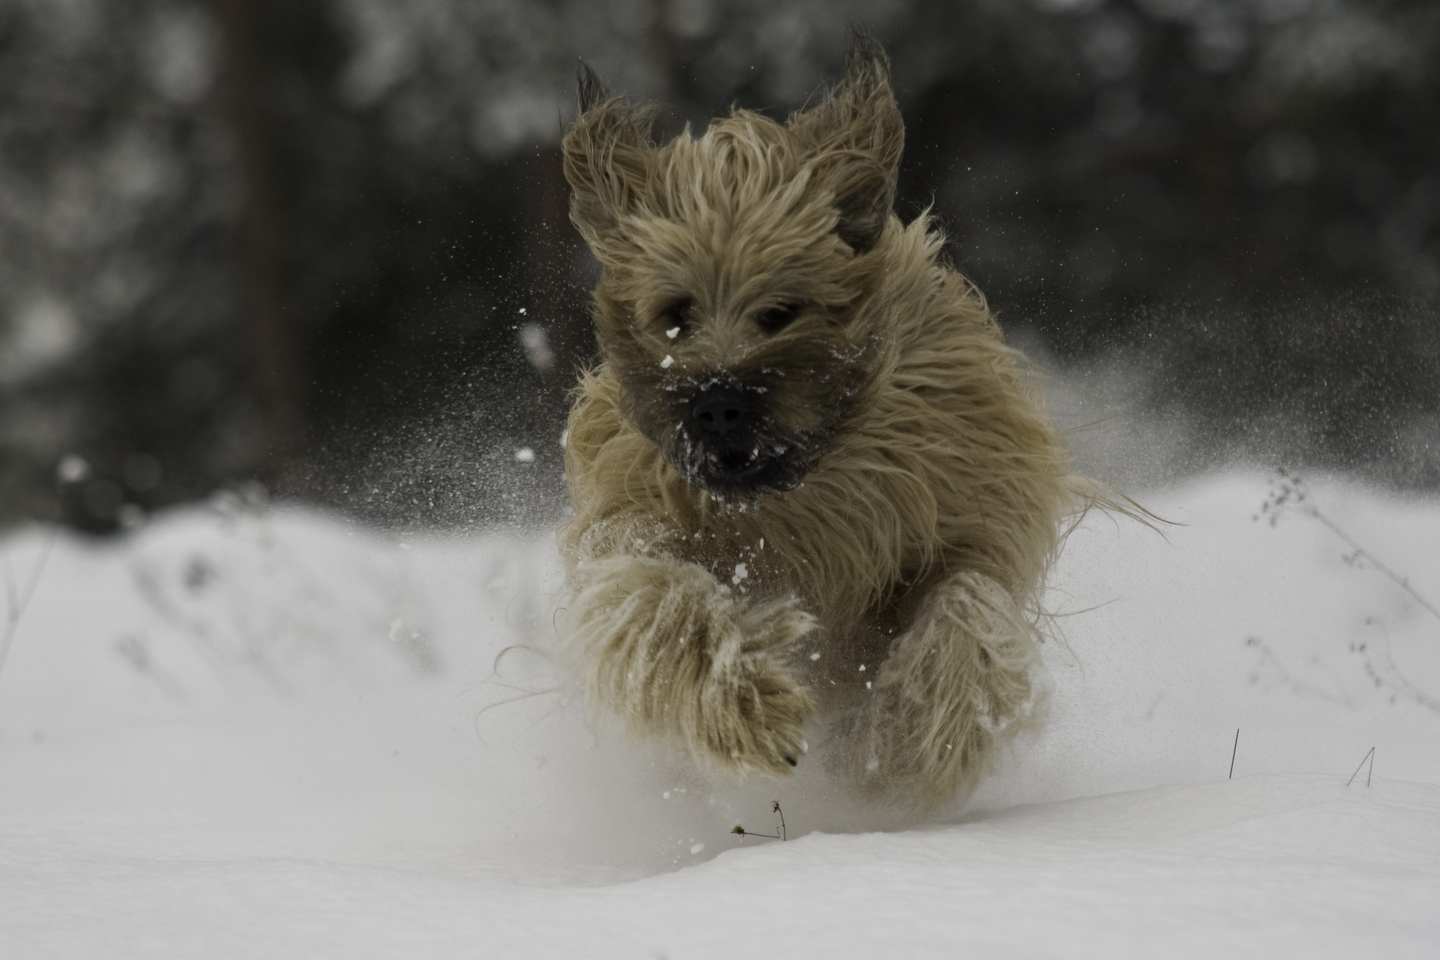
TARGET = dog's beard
x,y
789,427
764,459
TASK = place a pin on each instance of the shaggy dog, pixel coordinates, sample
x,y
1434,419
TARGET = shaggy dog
x,y
808,475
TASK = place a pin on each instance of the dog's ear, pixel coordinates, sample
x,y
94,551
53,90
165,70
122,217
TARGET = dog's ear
x,y
854,139
608,151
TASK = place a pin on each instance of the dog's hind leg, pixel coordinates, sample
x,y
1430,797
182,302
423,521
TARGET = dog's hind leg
x,y
953,683
676,654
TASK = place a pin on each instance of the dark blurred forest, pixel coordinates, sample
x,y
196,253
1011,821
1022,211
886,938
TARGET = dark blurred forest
x,y
323,246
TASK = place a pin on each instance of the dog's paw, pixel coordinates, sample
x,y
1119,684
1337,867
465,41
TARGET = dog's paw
x,y
953,687
890,753
752,708
752,721
680,656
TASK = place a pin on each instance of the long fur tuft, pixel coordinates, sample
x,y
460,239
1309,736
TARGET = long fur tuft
x,y
589,90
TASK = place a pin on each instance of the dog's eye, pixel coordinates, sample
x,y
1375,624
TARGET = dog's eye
x,y
777,318
676,316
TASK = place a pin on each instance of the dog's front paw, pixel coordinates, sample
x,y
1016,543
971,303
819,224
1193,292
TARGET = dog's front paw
x,y
752,708
678,655
952,688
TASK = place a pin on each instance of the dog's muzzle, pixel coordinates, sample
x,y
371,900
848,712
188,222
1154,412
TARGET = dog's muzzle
x,y
733,455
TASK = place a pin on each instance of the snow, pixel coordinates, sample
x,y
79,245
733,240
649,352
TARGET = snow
x,y
245,731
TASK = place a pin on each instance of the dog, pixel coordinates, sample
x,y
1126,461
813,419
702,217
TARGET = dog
x,y
809,479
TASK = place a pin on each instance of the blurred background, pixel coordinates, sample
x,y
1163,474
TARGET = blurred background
x,y
321,248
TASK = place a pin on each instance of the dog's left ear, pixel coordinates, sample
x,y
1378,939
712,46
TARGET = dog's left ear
x,y
854,140
608,153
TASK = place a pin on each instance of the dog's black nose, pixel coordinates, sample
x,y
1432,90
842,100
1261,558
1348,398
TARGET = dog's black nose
x,y
721,413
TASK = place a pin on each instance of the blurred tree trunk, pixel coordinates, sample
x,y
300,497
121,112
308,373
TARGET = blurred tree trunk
x,y
550,256
267,315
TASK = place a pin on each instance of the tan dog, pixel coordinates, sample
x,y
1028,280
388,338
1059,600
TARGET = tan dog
x,y
807,473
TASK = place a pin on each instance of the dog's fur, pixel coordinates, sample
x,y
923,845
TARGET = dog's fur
x,y
878,554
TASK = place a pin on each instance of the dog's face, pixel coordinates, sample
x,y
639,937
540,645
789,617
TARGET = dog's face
x,y
736,269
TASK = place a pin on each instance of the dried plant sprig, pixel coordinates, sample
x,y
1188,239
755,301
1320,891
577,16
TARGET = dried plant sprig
x,y
1290,492
779,835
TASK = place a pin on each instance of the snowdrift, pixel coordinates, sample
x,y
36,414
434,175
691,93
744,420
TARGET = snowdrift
x,y
256,732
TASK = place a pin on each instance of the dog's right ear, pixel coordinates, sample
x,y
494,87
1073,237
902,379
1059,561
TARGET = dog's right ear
x,y
609,151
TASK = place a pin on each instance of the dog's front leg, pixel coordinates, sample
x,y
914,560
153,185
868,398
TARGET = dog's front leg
x,y
951,685
678,655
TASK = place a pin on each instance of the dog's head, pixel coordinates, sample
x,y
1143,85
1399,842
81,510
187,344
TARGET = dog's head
x,y
736,270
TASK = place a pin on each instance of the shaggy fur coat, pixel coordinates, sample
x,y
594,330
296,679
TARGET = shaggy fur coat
x,y
877,558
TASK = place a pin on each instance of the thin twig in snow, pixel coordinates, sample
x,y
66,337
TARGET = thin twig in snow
x,y
1368,756
1360,552
16,600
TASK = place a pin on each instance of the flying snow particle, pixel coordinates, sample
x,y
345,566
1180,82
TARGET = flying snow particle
x,y
73,469
525,455
537,346
815,655
667,363
673,332
740,573
697,848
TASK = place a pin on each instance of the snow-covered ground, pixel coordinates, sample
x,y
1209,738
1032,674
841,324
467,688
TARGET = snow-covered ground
x,y
253,732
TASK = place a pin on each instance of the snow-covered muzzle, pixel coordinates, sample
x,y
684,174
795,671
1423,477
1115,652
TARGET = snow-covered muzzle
x,y
729,444
725,436
750,459
752,425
